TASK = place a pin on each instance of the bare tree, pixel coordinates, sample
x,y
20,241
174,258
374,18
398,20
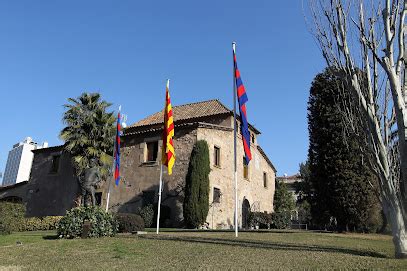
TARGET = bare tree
x,y
365,40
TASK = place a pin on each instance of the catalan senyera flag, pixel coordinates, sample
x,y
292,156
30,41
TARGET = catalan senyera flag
x,y
242,98
168,153
117,152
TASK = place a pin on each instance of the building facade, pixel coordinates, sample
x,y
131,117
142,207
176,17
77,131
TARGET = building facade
x,y
210,121
53,187
19,161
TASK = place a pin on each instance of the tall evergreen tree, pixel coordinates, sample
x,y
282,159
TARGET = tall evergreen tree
x,y
196,202
341,182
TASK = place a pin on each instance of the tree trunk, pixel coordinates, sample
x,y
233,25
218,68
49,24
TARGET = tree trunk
x,y
394,214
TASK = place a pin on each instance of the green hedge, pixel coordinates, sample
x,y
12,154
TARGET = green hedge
x,y
12,219
102,223
41,223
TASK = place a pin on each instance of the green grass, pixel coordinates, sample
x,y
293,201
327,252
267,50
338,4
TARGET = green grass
x,y
200,250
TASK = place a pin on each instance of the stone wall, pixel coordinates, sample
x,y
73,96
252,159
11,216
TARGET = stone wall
x,y
51,193
140,178
260,198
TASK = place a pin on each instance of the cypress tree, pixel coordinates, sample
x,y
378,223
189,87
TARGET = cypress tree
x,y
339,177
196,202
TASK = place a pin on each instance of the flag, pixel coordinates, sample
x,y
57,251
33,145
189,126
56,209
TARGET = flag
x,y
117,152
168,154
242,99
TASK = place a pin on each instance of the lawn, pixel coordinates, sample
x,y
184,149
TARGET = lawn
x,y
200,250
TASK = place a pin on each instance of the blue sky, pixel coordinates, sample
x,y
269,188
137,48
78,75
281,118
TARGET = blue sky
x,y
52,50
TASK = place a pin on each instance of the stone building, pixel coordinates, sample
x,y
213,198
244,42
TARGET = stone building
x,y
210,121
53,187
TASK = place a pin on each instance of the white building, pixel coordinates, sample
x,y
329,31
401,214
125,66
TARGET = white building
x,y
19,162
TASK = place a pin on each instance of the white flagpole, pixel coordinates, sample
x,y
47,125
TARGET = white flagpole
x,y
161,169
234,140
113,169
159,198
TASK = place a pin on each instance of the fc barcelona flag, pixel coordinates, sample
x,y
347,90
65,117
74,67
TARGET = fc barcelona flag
x,y
168,153
117,152
242,98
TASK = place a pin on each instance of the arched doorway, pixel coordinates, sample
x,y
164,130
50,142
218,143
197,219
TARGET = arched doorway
x,y
245,213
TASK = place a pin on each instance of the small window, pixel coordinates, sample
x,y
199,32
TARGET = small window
x,y
152,151
253,138
216,195
216,157
55,163
265,179
245,169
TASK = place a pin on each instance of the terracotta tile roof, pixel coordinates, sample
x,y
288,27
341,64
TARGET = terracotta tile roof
x,y
186,112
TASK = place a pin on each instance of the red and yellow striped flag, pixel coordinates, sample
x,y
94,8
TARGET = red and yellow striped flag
x,y
168,153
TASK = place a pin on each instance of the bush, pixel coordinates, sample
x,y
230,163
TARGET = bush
x,y
260,219
102,223
130,222
147,213
41,223
11,217
281,220
165,216
4,228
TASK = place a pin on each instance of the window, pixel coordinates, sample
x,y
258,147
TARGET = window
x,y
216,195
245,169
265,179
216,158
55,163
253,138
152,151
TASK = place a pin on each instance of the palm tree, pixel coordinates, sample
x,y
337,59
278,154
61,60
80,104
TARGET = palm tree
x,y
89,132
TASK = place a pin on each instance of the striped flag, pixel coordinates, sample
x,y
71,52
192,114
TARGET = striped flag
x,y
117,152
168,153
242,98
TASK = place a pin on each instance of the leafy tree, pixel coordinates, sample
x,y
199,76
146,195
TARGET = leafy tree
x,y
89,132
283,206
283,200
340,181
369,36
196,202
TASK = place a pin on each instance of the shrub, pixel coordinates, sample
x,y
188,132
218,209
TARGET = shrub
x,y
11,216
41,223
281,220
165,216
261,219
4,228
196,202
130,222
102,223
147,213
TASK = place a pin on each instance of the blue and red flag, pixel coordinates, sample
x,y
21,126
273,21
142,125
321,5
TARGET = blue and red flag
x,y
117,152
242,98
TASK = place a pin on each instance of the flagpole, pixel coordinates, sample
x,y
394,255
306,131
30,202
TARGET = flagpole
x,y
161,168
113,169
159,197
234,139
